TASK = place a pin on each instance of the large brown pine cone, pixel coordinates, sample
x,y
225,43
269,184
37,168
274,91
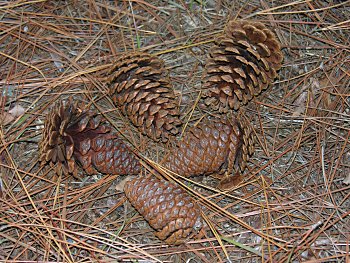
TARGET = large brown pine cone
x,y
74,134
140,86
214,146
166,207
242,63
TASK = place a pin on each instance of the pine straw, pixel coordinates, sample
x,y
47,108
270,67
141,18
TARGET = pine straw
x,y
294,203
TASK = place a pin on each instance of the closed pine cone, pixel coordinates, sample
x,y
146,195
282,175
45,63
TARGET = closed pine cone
x,y
217,146
74,134
140,86
242,63
245,151
166,207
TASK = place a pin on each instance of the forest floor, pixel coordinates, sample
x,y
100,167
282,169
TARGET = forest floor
x,y
293,204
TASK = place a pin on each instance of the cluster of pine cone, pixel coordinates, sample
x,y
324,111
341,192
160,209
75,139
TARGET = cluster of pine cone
x,y
242,63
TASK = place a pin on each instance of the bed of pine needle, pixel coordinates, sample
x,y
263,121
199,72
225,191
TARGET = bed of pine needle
x,y
294,202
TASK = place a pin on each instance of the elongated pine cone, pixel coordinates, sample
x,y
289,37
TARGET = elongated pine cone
x,y
242,63
166,207
140,87
74,134
229,180
214,146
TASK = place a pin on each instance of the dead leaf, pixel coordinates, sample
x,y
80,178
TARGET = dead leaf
x,y
300,104
1,185
228,183
11,115
17,111
306,99
347,179
6,118
120,186
57,61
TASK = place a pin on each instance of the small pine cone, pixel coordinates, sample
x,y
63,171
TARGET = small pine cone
x,y
214,146
166,207
242,63
73,134
140,86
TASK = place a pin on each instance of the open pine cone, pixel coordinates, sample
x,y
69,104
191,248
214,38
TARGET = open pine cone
x,y
166,207
242,63
215,146
73,134
140,86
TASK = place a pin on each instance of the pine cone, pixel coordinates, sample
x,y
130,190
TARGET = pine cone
x,y
242,63
165,206
140,86
214,146
244,152
74,134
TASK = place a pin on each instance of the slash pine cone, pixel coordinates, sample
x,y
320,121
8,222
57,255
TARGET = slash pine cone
x,y
242,63
74,135
167,208
140,87
219,146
